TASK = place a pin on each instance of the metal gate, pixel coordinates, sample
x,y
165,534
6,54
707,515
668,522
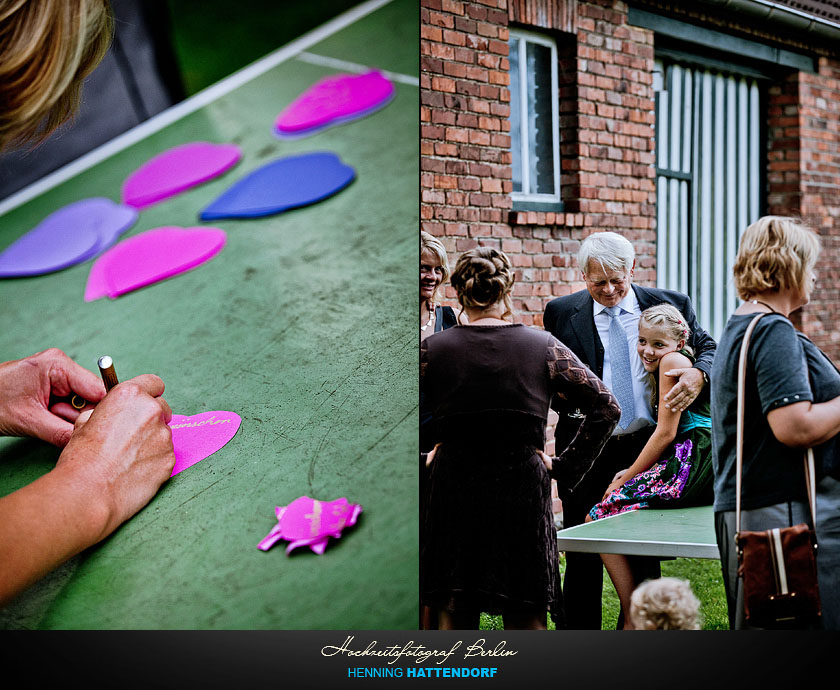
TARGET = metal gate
x,y
710,157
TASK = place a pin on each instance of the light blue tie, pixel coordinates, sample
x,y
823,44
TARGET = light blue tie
x,y
622,374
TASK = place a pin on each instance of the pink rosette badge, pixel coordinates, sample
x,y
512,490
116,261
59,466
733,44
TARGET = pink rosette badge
x,y
307,522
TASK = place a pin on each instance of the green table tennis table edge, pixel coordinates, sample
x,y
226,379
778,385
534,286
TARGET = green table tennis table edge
x,y
590,537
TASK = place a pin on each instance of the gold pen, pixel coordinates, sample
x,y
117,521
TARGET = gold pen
x,y
109,375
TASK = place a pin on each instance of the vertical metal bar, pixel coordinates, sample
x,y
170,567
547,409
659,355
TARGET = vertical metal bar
x,y
555,121
661,231
662,103
523,119
755,153
685,166
673,158
732,201
744,130
706,200
697,157
718,176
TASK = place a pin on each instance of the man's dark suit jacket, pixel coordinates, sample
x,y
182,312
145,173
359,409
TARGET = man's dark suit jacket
x,y
570,319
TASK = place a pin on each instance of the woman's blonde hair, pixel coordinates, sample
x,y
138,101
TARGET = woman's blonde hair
x,y
666,603
435,246
668,318
483,277
47,49
775,253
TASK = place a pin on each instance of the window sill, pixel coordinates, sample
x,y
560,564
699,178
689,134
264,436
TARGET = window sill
x,y
544,217
539,206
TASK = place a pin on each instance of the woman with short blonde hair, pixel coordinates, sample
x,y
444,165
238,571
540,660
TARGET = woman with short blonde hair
x,y
776,253
791,402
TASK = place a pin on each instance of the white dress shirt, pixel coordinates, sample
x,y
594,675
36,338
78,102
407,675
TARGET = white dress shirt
x,y
629,318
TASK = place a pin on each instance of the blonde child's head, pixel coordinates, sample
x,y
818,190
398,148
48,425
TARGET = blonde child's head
x,y
665,319
662,329
666,603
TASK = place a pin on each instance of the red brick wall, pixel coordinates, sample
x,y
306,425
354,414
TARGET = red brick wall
x,y
804,180
606,142
465,140
607,154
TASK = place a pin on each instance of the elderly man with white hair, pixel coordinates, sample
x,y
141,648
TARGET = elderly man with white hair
x,y
600,325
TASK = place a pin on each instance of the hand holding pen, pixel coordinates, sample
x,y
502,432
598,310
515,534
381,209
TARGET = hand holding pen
x,y
35,392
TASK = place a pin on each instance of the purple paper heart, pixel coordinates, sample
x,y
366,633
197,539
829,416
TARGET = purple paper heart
x,y
70,235
283,184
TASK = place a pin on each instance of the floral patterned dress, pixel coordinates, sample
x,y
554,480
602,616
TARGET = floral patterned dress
x,y
682,477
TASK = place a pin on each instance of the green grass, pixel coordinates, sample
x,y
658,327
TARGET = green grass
x,y
703,574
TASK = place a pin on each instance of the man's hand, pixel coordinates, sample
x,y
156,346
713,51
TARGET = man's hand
x,y
685,391
34,392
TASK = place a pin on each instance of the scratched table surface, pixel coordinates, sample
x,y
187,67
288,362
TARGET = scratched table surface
x,y
673,533
304,325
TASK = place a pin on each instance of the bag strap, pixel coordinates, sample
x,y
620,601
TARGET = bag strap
x,y
810,480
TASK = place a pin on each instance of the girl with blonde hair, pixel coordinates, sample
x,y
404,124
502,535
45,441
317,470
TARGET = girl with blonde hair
x,y
674,467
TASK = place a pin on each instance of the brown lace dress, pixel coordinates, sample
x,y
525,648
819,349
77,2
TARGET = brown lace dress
x,y
488,540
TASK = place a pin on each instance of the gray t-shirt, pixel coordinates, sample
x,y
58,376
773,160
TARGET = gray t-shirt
x,y
777,375
825,384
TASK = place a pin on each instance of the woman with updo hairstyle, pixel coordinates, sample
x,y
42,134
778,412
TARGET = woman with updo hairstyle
x,y
791,403
488,541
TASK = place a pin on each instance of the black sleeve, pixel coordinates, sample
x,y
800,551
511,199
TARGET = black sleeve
x,y
574,381
558,404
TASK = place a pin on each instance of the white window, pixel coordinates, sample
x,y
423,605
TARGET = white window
x,y
534,118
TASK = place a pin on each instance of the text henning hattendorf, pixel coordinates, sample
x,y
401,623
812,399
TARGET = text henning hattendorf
x,y
419,651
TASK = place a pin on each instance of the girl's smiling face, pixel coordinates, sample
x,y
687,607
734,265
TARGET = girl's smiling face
x,y
653,344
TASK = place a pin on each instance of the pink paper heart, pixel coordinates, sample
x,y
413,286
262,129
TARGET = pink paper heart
x,y
336,99
150,257
198,436
177,170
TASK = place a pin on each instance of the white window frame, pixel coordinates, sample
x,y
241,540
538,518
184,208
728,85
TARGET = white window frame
x,y
524,38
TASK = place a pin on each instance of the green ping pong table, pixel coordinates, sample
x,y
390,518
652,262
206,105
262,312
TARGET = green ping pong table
x,y
304,325
672,533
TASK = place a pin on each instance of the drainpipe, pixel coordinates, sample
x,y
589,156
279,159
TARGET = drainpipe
x,y
782,15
